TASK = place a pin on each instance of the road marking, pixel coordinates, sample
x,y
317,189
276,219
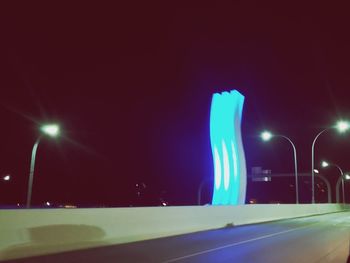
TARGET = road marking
x,y
235,244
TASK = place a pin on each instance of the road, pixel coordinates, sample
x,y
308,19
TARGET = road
x,y
319,239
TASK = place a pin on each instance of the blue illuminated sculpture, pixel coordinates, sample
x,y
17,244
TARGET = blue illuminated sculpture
x,y
230,174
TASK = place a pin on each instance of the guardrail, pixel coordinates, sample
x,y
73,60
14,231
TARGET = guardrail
x,y
30,232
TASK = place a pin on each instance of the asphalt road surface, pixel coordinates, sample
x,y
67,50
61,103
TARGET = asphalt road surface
x,y
321,239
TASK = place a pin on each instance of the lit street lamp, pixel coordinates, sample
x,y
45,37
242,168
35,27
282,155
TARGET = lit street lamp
x,y
51,130
341,126
6,177
266,136
325,164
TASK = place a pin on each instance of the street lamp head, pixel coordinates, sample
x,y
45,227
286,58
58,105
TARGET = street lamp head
x,y
52,130
324,164
266,135
342,126
316,171
6,177
347,176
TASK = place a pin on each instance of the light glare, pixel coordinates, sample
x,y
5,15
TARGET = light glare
x,y
7,178
347,177
217,169
342,126
51,129
226,166
324,164
266,135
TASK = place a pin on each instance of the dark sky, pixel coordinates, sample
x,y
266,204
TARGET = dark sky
x,y
131,86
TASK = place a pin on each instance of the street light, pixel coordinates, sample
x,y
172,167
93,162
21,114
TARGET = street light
x,y
346,177
341,126
325,164
51,130
6,177
266,136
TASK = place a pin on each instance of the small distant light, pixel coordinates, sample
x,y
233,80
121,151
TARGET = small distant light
x,y
164,204
266,135
70,206
18,204
324,164
7,177
48,203
252,201
316,171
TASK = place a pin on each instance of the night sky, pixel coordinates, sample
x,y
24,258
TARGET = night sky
x,y
131,87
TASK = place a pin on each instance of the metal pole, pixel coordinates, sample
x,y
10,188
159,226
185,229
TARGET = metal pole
x,y
295,168
342,181
337,189
199,193
342,185
31,172
328,185
313,166
200,188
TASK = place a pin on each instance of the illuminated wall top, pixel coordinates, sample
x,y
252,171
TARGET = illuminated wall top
x,y
230,174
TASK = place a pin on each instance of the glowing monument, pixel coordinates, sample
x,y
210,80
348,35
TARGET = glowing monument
x,y
230,174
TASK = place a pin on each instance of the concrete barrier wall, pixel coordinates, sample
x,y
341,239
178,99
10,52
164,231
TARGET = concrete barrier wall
x,y
31,232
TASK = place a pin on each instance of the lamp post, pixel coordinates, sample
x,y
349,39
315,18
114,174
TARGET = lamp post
x,y
340,179
200,189
346,177
51,130
328,185
341,126
266,136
